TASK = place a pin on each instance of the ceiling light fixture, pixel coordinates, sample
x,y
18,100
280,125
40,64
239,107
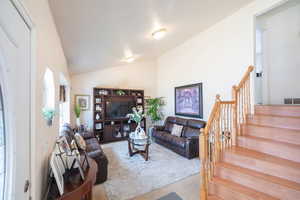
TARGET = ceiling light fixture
x,y
129,59
159,34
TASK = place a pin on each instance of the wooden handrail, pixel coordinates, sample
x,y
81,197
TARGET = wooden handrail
x,y
222,129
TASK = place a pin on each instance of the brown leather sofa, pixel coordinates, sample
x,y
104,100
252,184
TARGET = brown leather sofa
x,y
93,150
187,144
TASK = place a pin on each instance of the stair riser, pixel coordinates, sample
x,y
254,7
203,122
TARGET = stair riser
x,y
225,193
262,166
258,184
293,111
289,152
278,134
279,122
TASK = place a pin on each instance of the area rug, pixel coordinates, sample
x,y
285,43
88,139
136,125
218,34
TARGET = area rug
x,y
130,177
171,196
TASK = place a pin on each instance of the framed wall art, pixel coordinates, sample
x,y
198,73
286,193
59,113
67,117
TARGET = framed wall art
x,y
83,101
189,100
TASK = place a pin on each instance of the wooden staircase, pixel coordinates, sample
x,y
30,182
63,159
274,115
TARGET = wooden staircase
x,y
250,155
265,163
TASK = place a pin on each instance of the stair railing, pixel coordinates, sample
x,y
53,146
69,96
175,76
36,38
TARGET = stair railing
x,y
222,129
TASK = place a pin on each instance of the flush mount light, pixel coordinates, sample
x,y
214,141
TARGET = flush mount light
x,y
159,34
129,59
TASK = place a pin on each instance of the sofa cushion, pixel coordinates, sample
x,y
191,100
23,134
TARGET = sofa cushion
x,y
190,132
177,130
162,135
171,119
91,140
196,124
178,141
181,121
168,127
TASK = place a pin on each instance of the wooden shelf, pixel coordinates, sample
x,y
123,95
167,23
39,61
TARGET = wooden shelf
x,y
110,130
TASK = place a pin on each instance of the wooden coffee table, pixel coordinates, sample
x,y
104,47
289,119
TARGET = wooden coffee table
x,y
138,145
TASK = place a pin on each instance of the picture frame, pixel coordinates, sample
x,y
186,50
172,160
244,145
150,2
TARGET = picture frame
x,y
83,101
57,171
189,100
98,126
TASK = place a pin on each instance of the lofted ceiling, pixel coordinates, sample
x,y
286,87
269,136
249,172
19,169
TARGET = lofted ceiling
x,y
96,34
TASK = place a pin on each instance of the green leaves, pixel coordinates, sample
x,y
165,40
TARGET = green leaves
x,y
136,116
77,110
48,113
154,106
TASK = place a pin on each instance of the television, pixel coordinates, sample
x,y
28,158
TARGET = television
x,y
118,108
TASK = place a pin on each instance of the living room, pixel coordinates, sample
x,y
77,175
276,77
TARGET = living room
x,y
89,65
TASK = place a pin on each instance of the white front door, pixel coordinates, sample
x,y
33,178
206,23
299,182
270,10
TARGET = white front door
x,y
15,84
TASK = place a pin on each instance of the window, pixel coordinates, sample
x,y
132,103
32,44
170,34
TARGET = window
x,y
49,90
2,148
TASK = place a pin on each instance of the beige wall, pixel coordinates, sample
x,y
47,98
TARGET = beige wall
x,y
140,75
49,54
218,57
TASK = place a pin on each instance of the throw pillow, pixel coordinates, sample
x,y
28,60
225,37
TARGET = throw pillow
x,y
176,130
80,141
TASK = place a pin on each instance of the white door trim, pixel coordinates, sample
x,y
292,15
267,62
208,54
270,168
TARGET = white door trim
x,y
28,21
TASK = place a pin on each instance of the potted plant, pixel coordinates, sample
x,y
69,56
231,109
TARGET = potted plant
x,y
48,114
154,106
77,111
137,116
120,93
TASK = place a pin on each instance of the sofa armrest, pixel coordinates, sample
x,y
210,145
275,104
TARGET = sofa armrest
x,y
87,135
192,147
159,128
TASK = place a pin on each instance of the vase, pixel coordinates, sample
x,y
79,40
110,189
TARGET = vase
x,y
78,122
139,131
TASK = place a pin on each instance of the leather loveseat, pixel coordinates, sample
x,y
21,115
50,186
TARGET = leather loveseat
x,y
187,144
93,150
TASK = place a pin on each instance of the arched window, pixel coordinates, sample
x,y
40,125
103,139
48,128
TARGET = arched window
x,y
49,90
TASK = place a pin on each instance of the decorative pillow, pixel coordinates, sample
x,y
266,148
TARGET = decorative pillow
x,y
176,130
80,141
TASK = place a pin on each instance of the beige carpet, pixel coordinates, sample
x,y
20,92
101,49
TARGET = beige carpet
x,y
129,177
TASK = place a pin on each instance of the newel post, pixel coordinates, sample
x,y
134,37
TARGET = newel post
x,y
203,154
235,117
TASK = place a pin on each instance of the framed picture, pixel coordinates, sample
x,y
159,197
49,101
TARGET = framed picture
x,y
189,100
58,171
83,101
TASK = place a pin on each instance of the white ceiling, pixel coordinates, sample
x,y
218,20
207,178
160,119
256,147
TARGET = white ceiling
x,y
99,33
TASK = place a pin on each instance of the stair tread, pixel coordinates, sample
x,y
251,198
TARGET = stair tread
x,y
281,110
290,136
242,189
277,116
275,128
272,141
264,157
269,178
213,197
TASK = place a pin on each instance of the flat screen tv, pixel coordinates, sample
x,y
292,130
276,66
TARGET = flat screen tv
x,y
117,108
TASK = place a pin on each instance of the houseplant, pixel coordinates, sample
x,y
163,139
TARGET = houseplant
x,y
137,116
48,114
154,106
77,111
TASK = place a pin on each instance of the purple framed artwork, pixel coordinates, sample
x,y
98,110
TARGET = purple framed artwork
x,y
189,100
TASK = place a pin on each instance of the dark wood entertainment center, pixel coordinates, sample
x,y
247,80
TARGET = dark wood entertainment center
x,y
107,129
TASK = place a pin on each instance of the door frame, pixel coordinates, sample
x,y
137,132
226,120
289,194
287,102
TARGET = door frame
x,y
9,188
265,71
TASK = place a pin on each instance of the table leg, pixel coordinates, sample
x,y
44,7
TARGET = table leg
x,y
147,152
130,149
